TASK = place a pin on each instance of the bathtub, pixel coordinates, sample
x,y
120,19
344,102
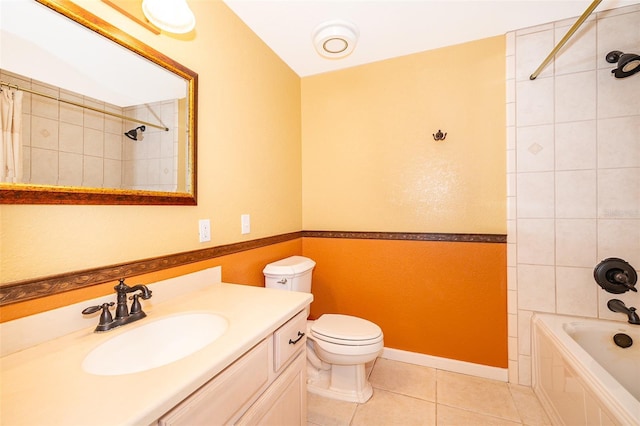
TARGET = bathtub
x,y
580,375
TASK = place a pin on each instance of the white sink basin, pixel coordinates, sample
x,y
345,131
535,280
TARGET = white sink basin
x,y
155,344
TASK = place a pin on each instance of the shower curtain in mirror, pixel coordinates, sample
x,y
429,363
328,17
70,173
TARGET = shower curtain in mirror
x,y
10,141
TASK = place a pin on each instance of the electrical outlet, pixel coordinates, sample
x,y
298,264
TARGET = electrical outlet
x,y
204,228
245,224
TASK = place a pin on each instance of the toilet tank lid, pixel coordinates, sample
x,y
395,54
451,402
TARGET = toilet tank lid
x,y
291,266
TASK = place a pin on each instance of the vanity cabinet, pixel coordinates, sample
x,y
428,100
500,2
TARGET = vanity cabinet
x,y
265,386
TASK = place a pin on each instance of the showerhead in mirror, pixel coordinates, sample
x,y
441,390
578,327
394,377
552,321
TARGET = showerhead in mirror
x,y
628,63
136,134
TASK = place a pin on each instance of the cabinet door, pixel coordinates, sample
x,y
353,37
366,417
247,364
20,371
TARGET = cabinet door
x,y
285,402
223,398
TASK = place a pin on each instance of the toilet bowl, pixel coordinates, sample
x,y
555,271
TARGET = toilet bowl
x,y
339,347
344,344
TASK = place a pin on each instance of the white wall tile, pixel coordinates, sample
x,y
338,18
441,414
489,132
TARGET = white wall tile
x,y
512,348
536,288
576,242
71,137
93,141
535,102
512,327
92,172
524,332
617,97
513,372
619,193
585,206
44,133
535,148
531,50
575,145
577,292
619,238
70,169
536,241
44,166
619,142
575,96
512,302
576,194
617,32
524,370
112,173
579,53
536,195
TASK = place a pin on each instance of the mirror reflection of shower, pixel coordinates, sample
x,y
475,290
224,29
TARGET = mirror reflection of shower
x,y
136,134
628,63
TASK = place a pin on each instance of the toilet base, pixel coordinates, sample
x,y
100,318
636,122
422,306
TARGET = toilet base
x,y
342,382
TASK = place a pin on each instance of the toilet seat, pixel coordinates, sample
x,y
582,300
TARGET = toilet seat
x,y
346,330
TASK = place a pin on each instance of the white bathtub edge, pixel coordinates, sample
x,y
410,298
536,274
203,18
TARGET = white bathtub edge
x,y
572,352
453,365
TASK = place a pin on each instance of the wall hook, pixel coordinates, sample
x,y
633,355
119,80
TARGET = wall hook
x,y
439,136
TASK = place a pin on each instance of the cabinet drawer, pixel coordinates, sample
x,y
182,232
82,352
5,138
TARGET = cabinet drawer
x,y
288,339
226,394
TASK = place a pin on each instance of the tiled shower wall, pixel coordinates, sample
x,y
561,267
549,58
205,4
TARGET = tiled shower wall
x,y
152,163
65,144
573,172
68,145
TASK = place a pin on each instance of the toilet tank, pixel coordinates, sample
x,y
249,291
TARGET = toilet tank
x,y
292,274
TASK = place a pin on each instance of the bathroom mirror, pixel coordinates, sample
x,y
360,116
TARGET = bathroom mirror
x,y
106,119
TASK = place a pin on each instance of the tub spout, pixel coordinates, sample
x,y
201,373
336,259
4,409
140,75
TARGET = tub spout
x,y
616,305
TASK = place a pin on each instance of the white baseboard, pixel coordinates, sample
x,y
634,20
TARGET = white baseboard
x,y
463,367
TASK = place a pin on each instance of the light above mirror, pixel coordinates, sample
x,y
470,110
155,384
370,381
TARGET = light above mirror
x,y
99,83
173,16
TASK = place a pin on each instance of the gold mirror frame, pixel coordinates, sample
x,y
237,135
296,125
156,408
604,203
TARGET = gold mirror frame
x,y
45,194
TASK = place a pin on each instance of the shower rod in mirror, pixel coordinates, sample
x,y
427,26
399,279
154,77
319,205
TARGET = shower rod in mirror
x,y
124,117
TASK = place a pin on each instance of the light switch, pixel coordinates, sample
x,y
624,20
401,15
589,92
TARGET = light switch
x,y
245,221
204,230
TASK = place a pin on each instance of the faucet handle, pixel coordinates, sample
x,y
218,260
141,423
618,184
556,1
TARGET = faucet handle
x,y
135,306
105,317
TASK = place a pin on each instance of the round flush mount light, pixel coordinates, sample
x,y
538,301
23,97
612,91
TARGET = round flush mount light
x,y
335,39
173,16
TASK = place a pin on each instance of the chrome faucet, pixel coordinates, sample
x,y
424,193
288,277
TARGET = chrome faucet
x,y
123,314
616,305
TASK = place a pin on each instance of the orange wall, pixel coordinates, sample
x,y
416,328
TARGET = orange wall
x,y
446,299
242,268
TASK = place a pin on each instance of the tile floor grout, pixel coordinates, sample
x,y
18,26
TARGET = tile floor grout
x,y
408,394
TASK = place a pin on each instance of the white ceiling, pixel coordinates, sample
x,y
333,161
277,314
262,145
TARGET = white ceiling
x,y
391,28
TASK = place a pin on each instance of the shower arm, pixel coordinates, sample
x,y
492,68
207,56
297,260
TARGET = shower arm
x,y
566,38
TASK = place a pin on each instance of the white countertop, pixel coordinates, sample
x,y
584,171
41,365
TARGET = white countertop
x,y
46,385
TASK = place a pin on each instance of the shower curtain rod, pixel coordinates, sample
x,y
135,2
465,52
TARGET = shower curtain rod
x,y
124,117
566,38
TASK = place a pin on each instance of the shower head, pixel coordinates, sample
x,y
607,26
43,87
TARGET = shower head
x,y
135,133
628,63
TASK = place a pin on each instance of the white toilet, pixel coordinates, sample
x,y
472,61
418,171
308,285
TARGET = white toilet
x,y
338,346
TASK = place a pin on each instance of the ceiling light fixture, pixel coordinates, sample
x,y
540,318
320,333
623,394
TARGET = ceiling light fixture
x,y
173,16
335,39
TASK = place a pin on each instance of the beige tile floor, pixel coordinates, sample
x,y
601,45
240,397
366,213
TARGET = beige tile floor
x,y
407,394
